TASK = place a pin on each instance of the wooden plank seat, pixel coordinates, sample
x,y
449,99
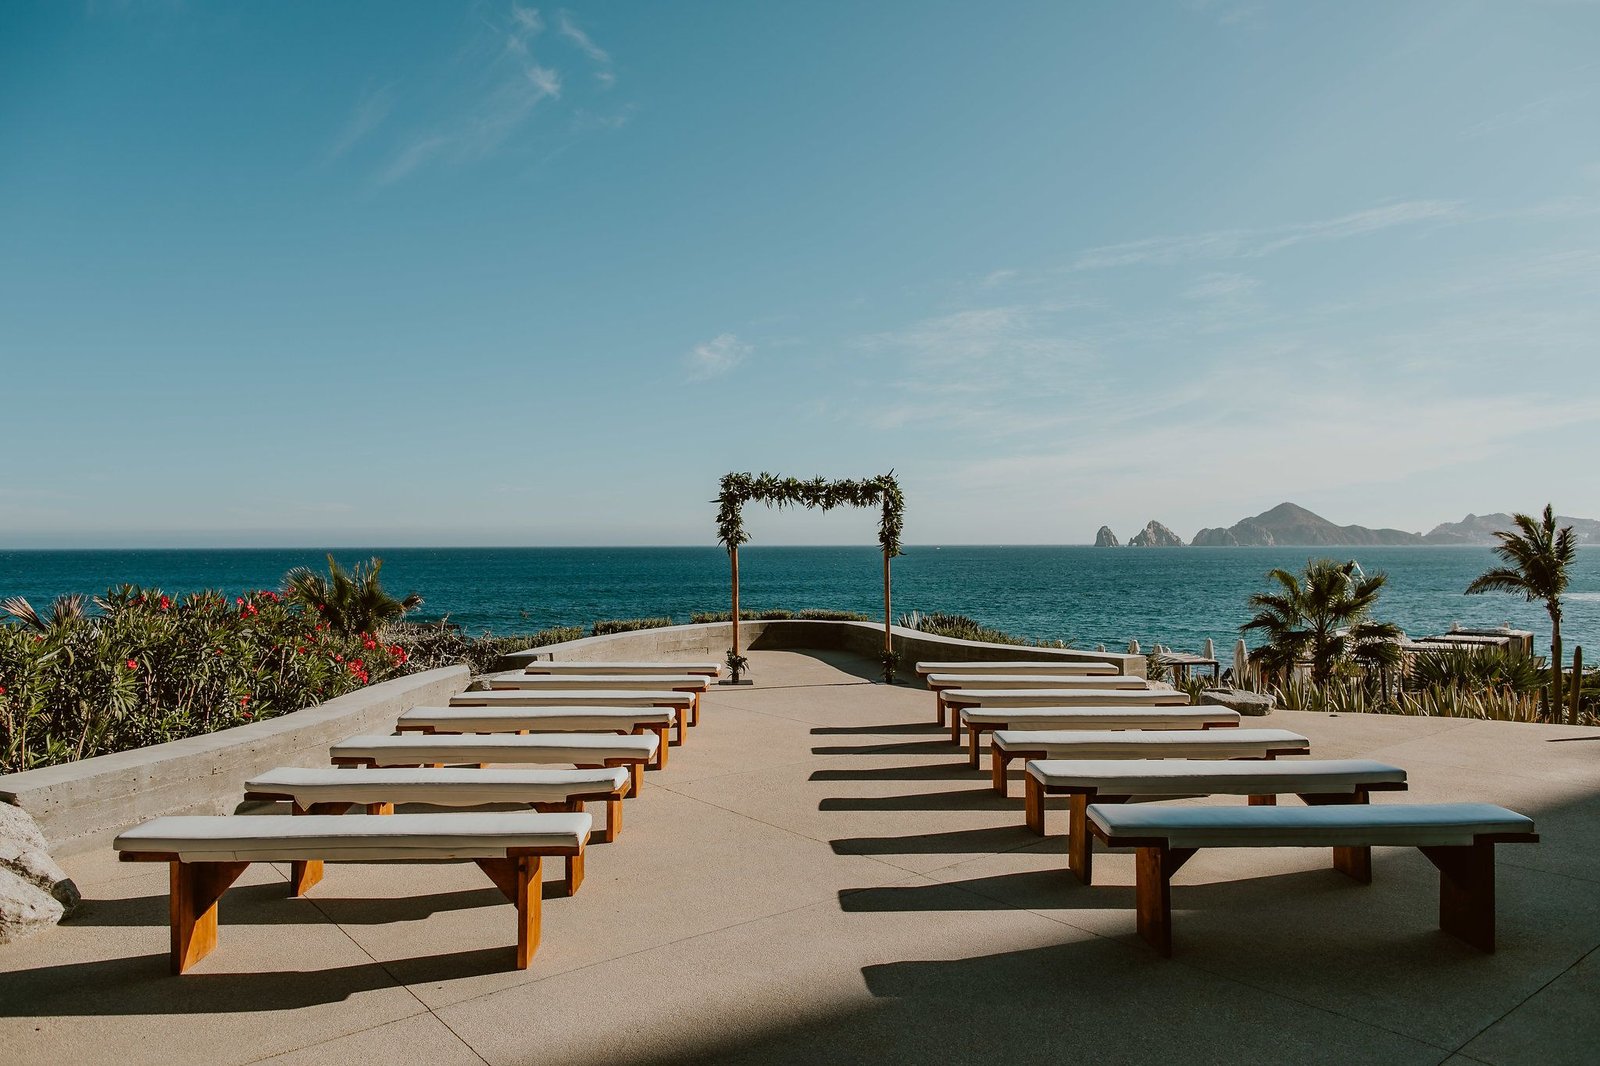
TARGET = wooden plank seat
x,y
1008,744
990,698
941,682
1086,781
583,750
517,680
707,668
981,720
1458,838
657,720
207,853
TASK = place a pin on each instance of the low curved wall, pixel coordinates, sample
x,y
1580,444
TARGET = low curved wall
x,y
82,805
711,641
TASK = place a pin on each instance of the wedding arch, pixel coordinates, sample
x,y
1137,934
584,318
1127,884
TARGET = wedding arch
x,y
821,494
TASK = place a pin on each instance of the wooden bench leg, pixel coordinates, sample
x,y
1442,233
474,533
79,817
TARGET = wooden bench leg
x,y
955,725
1156,865
1080,845
1354,862
938,706
972,746
380,808
520,879
1466,892
304,874
613,824
1263,801
681,720
636,776
574,873
660,762
192,908
999,763
1033,803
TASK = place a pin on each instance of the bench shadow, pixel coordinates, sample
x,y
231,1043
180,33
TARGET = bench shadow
x,y
943,771
887,729
933,746
972,799
955,842
141,985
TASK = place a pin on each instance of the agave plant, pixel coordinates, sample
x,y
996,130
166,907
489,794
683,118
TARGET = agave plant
x,y
1325,617
349,601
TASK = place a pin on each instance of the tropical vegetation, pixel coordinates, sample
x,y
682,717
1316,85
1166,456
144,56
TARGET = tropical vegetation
x,y
1322,618
1537,562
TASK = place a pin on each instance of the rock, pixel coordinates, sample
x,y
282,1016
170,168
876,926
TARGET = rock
x,y
1155,535
1106,539
1215,537
35,893
1247,703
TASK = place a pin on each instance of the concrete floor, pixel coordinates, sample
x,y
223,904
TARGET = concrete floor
x,y
818,877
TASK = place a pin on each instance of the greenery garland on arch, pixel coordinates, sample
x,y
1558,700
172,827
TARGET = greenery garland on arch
x,y
821,494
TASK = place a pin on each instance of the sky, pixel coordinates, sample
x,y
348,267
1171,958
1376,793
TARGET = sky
x,y
493,273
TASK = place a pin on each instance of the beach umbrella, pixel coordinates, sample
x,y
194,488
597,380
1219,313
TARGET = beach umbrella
x,y
1241,662
1211,649
1133,647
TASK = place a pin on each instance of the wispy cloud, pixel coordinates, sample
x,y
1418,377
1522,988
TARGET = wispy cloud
x,y
368,114
1257,243
574,33
483,99
1221,287
716,356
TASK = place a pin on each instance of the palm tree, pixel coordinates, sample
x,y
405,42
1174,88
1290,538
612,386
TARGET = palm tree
x,y
1537,563
350,601
1324,616
63,612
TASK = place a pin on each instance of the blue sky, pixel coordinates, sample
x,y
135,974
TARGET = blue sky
x,y
387,273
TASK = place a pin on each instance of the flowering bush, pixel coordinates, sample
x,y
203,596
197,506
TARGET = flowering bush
x,y
146,668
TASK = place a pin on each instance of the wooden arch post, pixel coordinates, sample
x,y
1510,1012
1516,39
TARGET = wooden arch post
x,y
739,489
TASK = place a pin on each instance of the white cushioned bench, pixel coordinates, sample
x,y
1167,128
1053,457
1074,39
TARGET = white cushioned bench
x,y
1458,838
990,698
981,720
707,668
1008,744
334,790
1006,682
207,853
655,720
693,684
1086,781
576,749
1017,666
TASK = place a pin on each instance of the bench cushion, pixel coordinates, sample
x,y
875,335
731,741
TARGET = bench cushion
x,y
534,747
1183,777
545,719
1031,681
1065,697
573,698
242,838
1101,717
708,668
1343,825
445,787
518,679
1150,743
1017,666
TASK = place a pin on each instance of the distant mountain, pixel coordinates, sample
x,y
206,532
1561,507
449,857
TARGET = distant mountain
x,y
1155,535
1287,524
1106,539
1480,529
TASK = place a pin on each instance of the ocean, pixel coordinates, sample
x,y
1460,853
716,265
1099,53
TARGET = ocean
x,y
1085,596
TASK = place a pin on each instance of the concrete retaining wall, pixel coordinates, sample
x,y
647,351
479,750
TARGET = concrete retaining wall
x,y
711,641
82,805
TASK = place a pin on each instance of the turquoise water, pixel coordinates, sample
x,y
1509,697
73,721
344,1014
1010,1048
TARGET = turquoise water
x,y
1080,594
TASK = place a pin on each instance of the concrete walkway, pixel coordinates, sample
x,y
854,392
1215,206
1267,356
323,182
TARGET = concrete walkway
x,y
818,877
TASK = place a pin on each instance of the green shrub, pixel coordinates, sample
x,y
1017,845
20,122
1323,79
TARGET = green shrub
x,y
960,627
627,625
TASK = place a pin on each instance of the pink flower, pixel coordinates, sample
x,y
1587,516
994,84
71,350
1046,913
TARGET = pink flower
x,y
133,664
